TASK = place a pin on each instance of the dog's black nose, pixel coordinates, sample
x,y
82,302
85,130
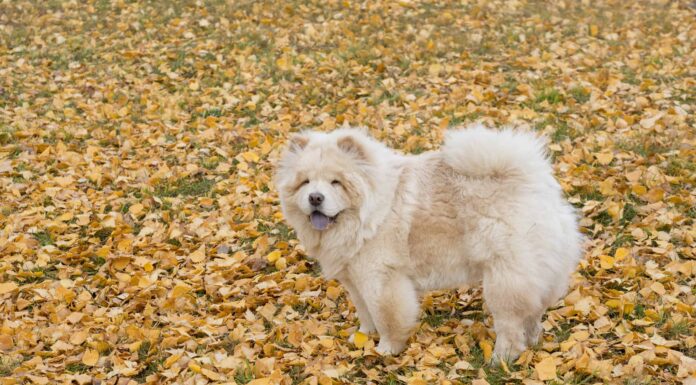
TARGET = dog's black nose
x,y
315,199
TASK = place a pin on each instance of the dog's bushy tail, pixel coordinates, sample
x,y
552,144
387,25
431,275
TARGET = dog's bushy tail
x,y
479,152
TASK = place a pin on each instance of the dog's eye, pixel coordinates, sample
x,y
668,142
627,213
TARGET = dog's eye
x,y
304,182
336,182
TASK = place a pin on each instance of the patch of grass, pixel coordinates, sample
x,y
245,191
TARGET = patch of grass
x,y
604,218
97,262
639,311
144,350
6,136
678,329
185,187
677,167
244,374
217,112
392,380
38,274
151,368
563,332
629,212
436,317
621,240
44,238
551,96
77,367
173,242
645,148
576,379
297,375
580,94
104,234
8,365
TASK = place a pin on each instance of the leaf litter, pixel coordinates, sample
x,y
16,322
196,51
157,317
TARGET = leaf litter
x,y
142,240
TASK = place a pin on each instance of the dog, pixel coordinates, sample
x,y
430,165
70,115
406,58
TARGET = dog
x,y
390,227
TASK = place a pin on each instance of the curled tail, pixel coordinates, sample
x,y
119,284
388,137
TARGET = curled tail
x,y
478,152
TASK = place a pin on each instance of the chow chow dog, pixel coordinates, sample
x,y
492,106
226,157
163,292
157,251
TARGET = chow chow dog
x,y
390,227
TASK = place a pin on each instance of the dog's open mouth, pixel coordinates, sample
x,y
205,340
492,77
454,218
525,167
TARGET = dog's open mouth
x,y
321,221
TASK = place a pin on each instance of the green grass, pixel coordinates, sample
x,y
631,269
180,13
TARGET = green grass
x,y
243,374
40,274
563,332
678,329
96,263
104,234
8,364
44,238
551,96
77,367
185,187
580,94
436,317
629,212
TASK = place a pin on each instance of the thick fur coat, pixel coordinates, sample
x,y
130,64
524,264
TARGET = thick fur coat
x,y
390,227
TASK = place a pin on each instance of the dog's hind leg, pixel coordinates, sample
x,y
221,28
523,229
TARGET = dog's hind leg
x,y
516,303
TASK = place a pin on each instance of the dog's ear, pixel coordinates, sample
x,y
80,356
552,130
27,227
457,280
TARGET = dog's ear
x,y
298,142
352,145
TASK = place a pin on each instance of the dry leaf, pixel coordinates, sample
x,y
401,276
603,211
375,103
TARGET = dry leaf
x,y
90,357
546,369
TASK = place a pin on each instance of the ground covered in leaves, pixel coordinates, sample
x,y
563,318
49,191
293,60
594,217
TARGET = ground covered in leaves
x,y
141,239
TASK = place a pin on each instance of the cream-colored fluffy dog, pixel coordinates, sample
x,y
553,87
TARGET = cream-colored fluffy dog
x,y
390,227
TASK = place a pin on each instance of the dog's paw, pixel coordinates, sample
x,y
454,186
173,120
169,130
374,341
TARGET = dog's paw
x,y
385,348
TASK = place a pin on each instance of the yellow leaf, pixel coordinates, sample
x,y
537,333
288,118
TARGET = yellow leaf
x,y
250,156
333,292
283,63
604,158
260,381
7,287
658,288
434,69
281,263
124,245
120,263
594,30
606,187
103,252
487,349
198,255
621,253
171,360
273,256
359,339
613,303
606,262
91,357
655,195
210,374
65,217
546,369
194,367
639,189
6,342
180,290
136,209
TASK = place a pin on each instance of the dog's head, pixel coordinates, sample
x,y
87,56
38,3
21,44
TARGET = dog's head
x,y
323,178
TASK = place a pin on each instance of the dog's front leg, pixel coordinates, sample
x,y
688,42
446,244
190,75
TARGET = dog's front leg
x,y
367,326
392,302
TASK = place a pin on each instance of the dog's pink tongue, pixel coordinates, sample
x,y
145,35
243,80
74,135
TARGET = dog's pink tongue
x,y
319,220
